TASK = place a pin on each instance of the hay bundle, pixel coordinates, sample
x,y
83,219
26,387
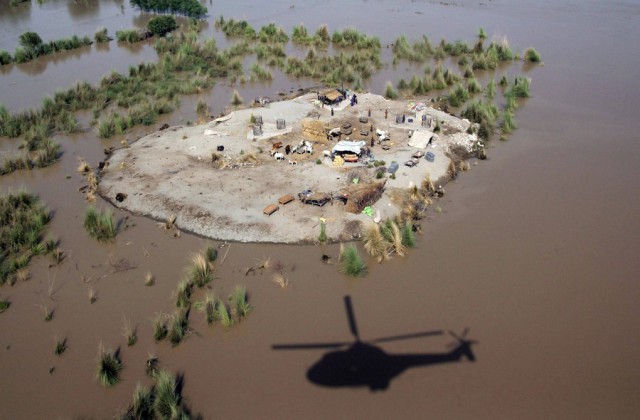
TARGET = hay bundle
x,y
313,130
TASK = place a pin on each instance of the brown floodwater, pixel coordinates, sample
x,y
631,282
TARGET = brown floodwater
x,y
535,250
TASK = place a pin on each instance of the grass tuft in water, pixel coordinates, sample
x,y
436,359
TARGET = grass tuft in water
x,y
350,261
109,367
100,224
239,300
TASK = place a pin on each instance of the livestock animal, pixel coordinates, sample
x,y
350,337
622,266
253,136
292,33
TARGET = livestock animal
x,y
287,149
293,162
279,156
276,146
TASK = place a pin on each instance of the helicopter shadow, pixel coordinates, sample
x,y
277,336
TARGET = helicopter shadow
x,y
364,364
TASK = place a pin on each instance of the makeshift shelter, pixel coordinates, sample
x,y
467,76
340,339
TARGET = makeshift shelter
x,y
360,196
331,97
345,146
420,139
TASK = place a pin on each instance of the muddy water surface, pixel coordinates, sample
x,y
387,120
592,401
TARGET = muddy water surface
x,y
535,251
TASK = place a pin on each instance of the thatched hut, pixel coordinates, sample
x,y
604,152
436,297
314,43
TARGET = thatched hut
x,y
362,195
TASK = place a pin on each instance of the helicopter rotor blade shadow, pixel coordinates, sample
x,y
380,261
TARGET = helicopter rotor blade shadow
x,y
308,346
407,336
352,318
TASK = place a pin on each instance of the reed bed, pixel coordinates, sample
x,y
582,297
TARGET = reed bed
x,y
22,221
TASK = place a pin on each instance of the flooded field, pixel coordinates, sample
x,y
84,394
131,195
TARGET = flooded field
x,y
535,250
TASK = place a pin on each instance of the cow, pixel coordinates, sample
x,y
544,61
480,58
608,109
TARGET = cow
x,y
287,149
278,156
276,146
293,162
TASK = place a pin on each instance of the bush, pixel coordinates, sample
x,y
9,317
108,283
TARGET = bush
x,y
5,57
161,25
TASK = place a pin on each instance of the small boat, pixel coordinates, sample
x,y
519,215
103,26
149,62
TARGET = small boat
x,y
350,157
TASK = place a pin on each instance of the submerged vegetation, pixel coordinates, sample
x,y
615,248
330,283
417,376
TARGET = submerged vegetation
x,y
32,47
190,8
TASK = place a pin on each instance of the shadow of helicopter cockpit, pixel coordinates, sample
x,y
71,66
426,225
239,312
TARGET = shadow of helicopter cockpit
x,y
364,364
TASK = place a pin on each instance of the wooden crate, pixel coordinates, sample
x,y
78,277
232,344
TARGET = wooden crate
x,y
270,209
285,199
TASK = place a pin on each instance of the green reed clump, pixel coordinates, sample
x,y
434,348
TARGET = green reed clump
x,y
532,56
508,121
128,35
490,89
183,294
178,326
189,8
236,28
60,347
408,235
201,270
211,253
222,314
300,35
350,261
481,112
109,367
4,305
142,404
5,58
521,87
322,237
160,329
272,33
260,73
240,302
351,38
101,35
100,224
32,46
390,92
167,399
458,95
474,86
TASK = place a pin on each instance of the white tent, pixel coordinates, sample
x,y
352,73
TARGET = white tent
x,y
348,146
420,139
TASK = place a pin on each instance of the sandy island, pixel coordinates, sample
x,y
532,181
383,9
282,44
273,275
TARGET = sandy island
x,y
223,194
